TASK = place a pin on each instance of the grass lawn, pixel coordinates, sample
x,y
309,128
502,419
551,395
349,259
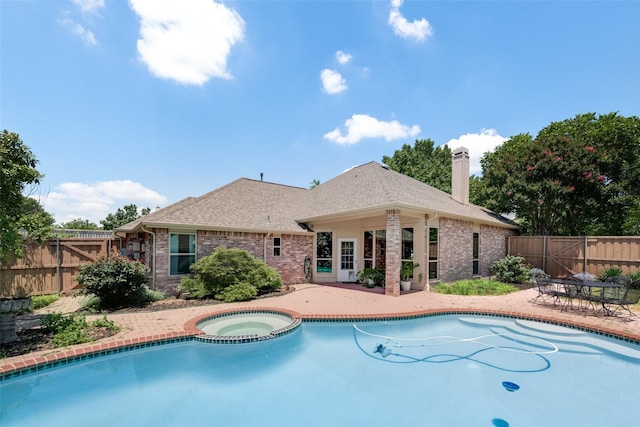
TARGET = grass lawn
x,y
476,287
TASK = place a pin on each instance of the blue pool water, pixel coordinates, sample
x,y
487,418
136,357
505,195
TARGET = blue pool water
x,y
436,371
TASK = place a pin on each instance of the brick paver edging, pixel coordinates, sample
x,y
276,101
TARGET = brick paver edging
x,y
191,331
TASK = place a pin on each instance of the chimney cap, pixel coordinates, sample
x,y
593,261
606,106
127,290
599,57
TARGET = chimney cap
x,y
460,150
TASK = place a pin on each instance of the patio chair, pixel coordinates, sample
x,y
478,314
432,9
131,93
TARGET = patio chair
x,y
541,283
570,289
629,295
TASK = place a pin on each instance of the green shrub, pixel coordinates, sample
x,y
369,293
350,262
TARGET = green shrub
x,y
73,329
56,322
41,301
634,276
116,281
237,292
475,287
106,323
609,272
215,273
511,269
68,330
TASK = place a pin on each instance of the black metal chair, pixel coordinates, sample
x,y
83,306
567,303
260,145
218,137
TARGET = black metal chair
x,y
540,283
629,295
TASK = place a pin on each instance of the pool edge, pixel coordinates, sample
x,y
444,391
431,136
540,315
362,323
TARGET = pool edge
x,y
191,332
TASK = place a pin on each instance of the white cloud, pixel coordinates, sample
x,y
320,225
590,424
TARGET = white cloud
x,y
343,57
332,81
363,126
89,5
188,42
477,144
95,201
84,34
418,29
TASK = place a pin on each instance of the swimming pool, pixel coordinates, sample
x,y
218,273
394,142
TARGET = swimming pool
x,y
438,371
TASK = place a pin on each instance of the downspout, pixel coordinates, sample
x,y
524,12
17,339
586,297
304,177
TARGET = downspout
x,y
264,244
153,259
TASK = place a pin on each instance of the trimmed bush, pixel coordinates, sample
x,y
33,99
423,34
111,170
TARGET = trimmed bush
x,y
511,269
237,292
116,281
227,274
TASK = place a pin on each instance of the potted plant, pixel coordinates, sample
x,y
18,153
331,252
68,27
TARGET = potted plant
x,y
379,276
367,277
406,274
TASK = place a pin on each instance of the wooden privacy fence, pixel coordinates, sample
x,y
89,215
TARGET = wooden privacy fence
x,y
50,268
562,256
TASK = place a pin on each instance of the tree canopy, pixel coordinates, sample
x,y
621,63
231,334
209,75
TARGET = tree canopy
x,y
79,224
423,162
576,177
19,215
122,216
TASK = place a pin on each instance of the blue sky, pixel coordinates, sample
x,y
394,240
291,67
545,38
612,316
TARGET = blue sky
x,y
152,101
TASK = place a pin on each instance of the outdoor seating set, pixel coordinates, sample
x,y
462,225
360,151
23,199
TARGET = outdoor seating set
x,y
603,297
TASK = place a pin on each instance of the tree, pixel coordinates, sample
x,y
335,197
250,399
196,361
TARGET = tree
x,y
17,171
577,177
79,224
314,183
35,222
123,216
424,163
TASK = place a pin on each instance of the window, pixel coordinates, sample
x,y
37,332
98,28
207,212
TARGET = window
x,y
375,244
381,249
368,249
182,253
433,253
407,246
324,252
476,253
276,246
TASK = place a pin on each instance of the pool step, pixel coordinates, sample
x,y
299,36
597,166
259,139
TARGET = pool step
x,y
567,339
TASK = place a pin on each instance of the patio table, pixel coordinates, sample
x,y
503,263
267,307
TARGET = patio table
x,y
588,292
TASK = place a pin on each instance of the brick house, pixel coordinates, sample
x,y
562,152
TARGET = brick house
x,y
369,216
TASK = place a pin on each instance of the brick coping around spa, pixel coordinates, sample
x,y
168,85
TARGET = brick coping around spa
x,y
191,332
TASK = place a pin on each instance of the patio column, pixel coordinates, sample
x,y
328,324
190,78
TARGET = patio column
x,y
425,261
393,256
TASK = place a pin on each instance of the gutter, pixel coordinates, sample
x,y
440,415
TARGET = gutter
x,y
153,264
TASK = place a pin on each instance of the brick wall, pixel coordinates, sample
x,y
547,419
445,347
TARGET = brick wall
x,y
209,240
293,250
455,249
164,282
290,264
493,246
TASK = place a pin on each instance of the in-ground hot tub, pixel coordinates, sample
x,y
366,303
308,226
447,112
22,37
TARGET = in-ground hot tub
x,y
246,326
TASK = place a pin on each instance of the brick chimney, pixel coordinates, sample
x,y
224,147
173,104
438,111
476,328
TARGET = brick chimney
x,y
460,175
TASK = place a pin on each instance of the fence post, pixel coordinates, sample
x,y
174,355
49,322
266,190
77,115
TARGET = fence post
x,y
544,253
584,268
58,278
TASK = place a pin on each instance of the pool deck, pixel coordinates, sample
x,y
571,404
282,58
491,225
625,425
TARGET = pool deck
x,y
320,301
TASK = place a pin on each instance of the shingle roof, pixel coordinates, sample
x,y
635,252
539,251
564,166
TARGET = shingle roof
x,y
243,204
373,185
251,205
